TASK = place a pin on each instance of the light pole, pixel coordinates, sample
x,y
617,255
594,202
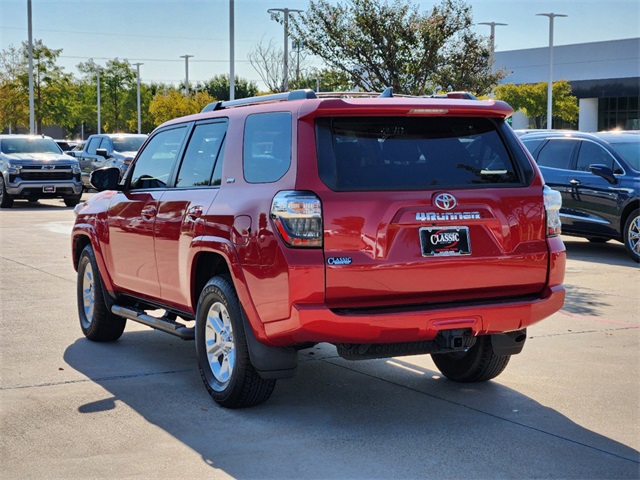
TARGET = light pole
x,y
550,85
296,48
232,75
98,86
138,96
186,74
493,26
286,12
32,122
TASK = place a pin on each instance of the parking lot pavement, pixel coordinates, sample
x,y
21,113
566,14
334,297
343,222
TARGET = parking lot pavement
x,y
567,407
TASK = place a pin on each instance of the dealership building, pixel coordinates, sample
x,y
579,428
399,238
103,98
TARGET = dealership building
x,y
604,76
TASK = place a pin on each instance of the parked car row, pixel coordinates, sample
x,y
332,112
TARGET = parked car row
x,y
107,150
36,166
598,176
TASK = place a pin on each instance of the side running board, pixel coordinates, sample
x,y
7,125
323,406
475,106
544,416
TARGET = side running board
x,y
164,324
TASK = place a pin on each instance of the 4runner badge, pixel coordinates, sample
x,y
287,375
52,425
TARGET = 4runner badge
x,y
339,260
433,216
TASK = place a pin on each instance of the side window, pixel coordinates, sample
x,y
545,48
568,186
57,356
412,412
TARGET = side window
x,y
200,158
532,145
106,144
155,163
92,146
556,154
267,147
591,154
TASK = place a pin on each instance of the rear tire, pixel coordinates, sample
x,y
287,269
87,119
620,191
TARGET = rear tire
x,y
6,200
96,320
221,349
478,364
631,235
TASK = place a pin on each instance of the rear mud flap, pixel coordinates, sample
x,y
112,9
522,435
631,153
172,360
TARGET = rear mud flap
x,y
270,362
510,343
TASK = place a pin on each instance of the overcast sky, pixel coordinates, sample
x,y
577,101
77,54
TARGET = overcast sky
x,y
158,32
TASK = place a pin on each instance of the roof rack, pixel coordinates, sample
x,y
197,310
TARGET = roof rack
x,y
458,95
305,94
274,97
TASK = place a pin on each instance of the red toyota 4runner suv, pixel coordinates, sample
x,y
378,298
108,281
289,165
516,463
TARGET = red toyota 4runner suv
x,y
387,226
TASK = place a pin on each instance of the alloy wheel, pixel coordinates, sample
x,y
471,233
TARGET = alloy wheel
x,y
633,236
220,347
88,294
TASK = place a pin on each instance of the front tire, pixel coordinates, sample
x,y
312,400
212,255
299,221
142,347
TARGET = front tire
x,y
631,235
6,200
96,320
72,201
221,349
478,364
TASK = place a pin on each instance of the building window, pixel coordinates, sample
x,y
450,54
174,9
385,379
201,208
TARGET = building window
x,y
621,113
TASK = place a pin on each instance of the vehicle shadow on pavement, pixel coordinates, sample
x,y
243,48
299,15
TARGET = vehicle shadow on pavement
x,y
583,301
339,419
610,253
41,207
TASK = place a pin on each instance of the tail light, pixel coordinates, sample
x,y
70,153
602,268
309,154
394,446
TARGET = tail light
x,y
298,218
552,204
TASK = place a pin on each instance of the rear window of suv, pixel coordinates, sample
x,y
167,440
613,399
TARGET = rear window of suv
x,y
409,153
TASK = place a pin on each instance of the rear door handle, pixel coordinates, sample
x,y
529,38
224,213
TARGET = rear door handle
x,y
194,212
574,181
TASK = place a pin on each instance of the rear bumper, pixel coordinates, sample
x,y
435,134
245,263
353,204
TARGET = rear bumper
x,y
317,323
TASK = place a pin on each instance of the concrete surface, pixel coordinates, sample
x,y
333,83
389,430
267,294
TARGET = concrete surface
x,y
567,407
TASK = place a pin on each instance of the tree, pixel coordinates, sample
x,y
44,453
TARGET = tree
x,y
117,92
173,104
51,86
147,123
83,107
379,44
532,100
322,80
266,59
218,87
14,98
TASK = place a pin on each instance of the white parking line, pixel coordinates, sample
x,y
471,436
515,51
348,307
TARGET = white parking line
x,y
63,228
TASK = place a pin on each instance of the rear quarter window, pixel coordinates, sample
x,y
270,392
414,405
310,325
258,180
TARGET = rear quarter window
x,y
267,147
411,153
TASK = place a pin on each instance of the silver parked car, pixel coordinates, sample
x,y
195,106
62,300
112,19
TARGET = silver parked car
x,y
108,150
34,167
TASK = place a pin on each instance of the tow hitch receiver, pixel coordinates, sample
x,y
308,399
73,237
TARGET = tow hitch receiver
x,y
458,340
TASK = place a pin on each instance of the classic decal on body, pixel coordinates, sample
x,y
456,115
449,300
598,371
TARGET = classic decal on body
x,y
339,260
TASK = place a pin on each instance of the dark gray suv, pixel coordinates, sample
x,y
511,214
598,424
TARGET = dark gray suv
x,y
598,176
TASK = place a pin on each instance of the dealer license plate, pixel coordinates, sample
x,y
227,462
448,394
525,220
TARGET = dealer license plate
x,y
49,189
447,241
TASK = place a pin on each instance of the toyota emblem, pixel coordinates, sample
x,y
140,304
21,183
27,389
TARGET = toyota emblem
x,y
445,201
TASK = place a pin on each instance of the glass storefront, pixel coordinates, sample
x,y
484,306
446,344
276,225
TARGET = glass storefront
x,y
619,113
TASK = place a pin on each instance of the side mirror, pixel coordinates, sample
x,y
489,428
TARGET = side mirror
x,y
102,152
107,178
604,172
70,153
